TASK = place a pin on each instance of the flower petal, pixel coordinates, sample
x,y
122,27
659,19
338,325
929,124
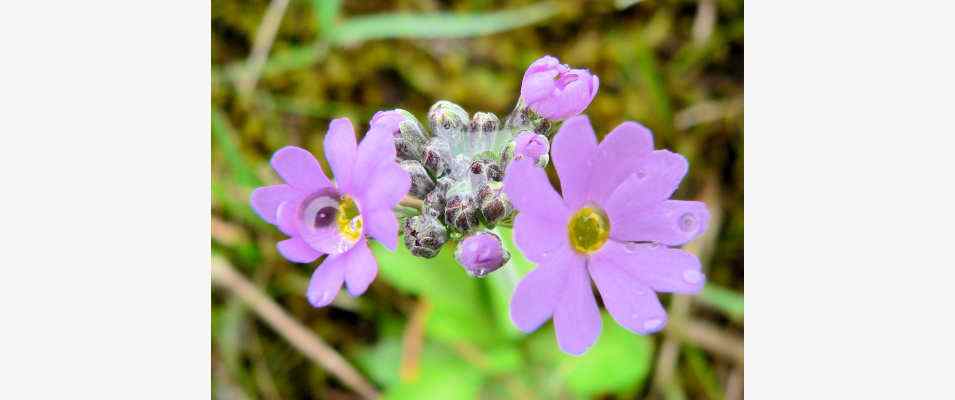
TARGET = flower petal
x,y
296,250
287,219
662,268
530,192
385,188
537,85
266,200
328,240
572,154
618,155
535,296
299,168
576,317
671,222
655,178
341,150
538,81
375,148
382,225
327,280
631,303
360,269
538,237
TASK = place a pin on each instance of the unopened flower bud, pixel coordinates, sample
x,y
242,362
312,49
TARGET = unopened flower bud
x,y
484,170
482,131
533,146
421,182
481,253
493,203
447,120
409,136
555,91
460,211
436,157
424,235
434,202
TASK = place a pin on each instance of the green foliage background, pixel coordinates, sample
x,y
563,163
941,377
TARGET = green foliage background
x,y
675,66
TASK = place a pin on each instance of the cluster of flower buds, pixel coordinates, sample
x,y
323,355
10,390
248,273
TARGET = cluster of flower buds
x,y
457,164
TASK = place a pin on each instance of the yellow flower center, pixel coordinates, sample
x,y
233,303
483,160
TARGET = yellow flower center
x,y
349,219
588,230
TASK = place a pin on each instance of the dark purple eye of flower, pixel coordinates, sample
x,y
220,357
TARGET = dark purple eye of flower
x,y
323,211
325,216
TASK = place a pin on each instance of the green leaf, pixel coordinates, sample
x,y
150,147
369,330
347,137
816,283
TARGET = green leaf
x,y
382,361
440,25
441,376
619,363
458,311
724,300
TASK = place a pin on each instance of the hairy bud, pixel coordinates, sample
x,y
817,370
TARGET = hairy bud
x,y
447,120
424,235
460,211
481,253
482,131
421,182
493,202
410,138
436,157
434,202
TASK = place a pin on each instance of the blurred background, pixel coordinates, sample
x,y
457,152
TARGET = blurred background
x,y
426,330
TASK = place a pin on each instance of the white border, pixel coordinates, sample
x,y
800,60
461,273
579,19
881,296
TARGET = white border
x,y
848,179
106,197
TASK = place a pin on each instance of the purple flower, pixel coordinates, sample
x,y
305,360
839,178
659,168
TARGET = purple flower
x,y
532,146
322,217
615,224
556,92
481,253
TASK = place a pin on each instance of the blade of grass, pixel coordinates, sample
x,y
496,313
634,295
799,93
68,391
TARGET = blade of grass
x,y
264,37
326,12
224,137
316,349
703,372
724,300
443,25
649,73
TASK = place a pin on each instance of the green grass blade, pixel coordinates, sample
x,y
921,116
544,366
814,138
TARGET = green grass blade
x,y
439,25
326,14
224,137
724,300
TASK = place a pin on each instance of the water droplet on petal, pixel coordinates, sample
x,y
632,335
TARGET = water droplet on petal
x,y
688,222
693,276
653,324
